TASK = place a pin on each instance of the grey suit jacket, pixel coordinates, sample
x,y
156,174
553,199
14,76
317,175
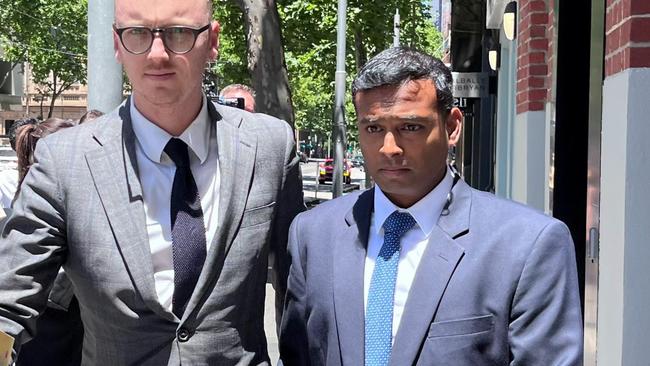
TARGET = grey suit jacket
x,y
497,285
81,207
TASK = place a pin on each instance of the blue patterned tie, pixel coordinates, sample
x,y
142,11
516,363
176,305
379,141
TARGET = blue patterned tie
x,y
188,228
379,311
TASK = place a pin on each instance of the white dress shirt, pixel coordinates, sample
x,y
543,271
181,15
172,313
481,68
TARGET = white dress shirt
x,y
413,244
157,171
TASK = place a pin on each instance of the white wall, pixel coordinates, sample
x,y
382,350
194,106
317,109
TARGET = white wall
x,y
529,159
506,104
624,278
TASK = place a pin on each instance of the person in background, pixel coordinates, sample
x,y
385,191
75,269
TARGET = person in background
x,y
90,115
26,141
235,91
60,330
9,177
422,269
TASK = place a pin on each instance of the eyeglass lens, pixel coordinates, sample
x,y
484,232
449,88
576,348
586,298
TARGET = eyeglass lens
x,y
175,39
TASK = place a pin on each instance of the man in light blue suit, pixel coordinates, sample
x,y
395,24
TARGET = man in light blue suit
x,y
422,269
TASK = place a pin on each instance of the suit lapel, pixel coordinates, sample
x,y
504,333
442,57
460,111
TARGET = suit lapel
x,y
237,149
349,261
121,195
441,258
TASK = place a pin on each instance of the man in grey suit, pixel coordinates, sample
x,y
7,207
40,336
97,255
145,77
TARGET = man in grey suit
x,y
422,269
162,213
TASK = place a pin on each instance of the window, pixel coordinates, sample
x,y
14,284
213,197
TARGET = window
x,y
8,123
5,69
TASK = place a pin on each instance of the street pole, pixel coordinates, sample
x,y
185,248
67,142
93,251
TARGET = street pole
x,y
27,100
104,73
338,125
396,28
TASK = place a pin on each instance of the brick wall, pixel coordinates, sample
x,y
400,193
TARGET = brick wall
x,y
551,53
533,38
627,35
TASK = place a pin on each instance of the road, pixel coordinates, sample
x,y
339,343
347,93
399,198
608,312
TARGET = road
x,y
324,191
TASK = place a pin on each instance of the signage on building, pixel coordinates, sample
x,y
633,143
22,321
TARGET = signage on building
x,y
470,84
460,102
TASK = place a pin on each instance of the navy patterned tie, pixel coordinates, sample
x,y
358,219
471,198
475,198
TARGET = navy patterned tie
x,y
381,294
188,228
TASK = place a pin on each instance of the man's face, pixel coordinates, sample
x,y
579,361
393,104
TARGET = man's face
x,y
249,101
158,76
404,138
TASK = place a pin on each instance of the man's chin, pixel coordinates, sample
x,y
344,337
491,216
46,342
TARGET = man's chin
x,y
159,97
395,187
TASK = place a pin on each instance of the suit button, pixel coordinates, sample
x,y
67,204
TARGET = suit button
x,y
183,335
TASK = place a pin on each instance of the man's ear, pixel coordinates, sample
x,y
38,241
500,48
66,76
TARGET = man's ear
x,y
116,47
214,30
454,126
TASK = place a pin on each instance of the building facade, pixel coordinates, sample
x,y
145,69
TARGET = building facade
x,y
570,126
21,97
71,104
11,92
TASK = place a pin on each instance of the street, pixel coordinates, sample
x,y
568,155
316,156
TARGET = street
x,y
313,190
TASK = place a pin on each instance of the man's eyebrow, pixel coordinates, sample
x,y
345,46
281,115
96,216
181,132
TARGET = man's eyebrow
x,y
370,119
407,118
413,118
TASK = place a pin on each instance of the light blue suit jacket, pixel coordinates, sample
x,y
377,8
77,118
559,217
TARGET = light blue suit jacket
x,y
497,286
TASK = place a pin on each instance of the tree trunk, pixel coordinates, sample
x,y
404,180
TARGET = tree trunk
x,y
40,116
266,62
360,54
54,95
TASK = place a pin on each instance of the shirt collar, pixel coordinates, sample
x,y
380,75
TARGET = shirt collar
x,y
153,138
426,211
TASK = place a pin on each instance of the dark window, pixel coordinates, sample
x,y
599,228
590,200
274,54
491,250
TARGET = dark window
x,y
5,69
8,124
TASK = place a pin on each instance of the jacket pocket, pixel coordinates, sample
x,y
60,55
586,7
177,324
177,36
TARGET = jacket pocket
x,y
458,327
258,215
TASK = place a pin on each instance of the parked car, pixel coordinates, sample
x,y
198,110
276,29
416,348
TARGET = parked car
x,y
357,161
325,171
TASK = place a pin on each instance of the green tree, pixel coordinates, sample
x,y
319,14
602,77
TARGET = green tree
x,y
251,52
50,35
310,42
231,65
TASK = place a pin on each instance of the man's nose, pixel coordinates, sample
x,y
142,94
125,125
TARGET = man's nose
x,y
158,50
391,148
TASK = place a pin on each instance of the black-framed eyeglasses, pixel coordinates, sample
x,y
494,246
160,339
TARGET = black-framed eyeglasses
x,y
176,39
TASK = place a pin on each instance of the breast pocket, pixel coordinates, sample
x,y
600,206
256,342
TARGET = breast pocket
x,y
460,342
459,327
257,212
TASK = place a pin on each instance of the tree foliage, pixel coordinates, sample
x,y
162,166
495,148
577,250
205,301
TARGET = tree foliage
x,y
310,42
231,66
51,36
309,37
